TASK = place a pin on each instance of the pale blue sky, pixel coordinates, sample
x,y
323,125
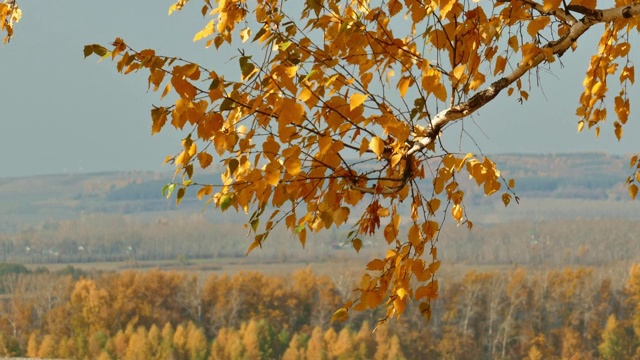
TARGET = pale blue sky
x,y
61,113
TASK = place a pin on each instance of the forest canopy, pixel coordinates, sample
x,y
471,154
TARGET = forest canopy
x,y
335,114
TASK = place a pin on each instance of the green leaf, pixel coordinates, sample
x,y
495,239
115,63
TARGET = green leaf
x,y
167,190
254,224
95,49
226,202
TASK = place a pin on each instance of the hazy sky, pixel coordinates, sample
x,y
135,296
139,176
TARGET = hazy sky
x,y
60,113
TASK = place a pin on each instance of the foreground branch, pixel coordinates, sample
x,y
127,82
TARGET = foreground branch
x,y
558,47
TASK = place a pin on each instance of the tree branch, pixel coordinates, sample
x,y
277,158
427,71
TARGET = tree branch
x,y
559,47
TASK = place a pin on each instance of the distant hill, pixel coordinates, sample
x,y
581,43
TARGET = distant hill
x,y
29,200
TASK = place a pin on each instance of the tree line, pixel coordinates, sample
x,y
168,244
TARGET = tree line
x,y
521,313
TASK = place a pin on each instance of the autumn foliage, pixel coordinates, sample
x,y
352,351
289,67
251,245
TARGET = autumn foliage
x,y
336,110
520,313
337,107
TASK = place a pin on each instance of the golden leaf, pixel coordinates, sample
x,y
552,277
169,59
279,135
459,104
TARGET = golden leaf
x,y
403,85
305,94
357,244
433,205
341,215
627,73
430,229
375,265
618,130
415,238
357,100
207,31
538,24
158,118
205,191
402,292
340,315
205,159
456,212
245,34
506,199
377,146
291,112
633,191
293,165
457,73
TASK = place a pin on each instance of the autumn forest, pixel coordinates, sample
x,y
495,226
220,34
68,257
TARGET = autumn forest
x,y
521,313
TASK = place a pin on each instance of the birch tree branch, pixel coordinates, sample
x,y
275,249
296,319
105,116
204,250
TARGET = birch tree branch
x,y
559,47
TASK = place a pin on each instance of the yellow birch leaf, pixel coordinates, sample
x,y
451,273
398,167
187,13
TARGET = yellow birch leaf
x,y
634,160
627,73
506,199
305,94
430,229
438,185
512,183
357,244
580,125
390,74
426,291
302,236
513,43
538,24
205,191
183,88
618,130
633,191
205,32
501,64
340,315
403,85
390,233
377,146
457,73
433,205
402,292
293,166
291,112
415,238
205,159
456,212
433,267
551,4
375,265
364,146
272,177
158,118
341,215
245,34
357,100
